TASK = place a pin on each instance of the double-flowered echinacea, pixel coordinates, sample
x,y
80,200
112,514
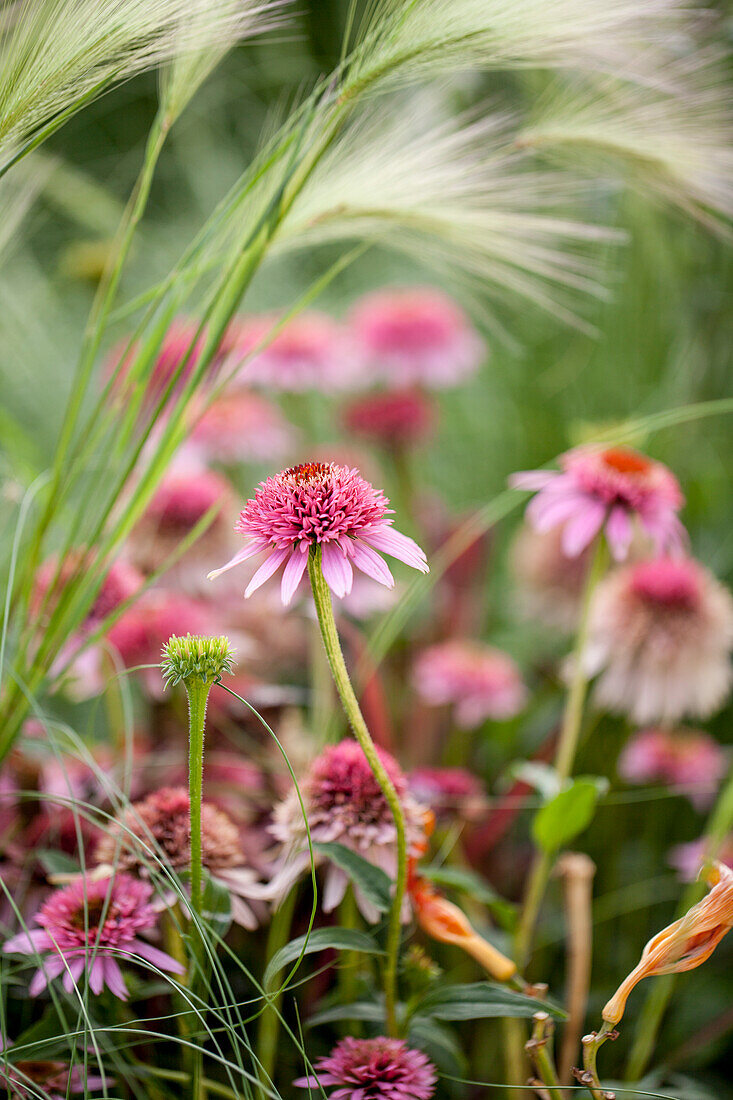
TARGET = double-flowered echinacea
x,y
325,506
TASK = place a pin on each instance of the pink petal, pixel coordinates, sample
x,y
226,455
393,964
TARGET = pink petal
x,y
337,569
619,532
28,942
371,563
269,566
393,542
113,978
156,957
39,981
242,914
532,480
247,551
580,531
549,509
96,975
75,971
293,572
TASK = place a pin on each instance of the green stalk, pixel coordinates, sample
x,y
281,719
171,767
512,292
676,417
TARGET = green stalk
x,y
564,759
269,1025
327,623
720,823
198,693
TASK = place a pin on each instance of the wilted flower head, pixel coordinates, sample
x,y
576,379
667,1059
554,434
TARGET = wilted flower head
x,y
660,635
416,337
445,922
685,944
159,827
606,488
87,926
311,352
344,804
373,1069
689,759
23,1078
479,681
320,504
449,791
394,419
240,427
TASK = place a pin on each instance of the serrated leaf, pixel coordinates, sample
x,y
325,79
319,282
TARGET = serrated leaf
x,y
481,1000
372,881
475,887
340,939
567,815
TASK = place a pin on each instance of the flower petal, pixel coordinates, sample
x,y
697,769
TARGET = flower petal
x,y
247,551
405,549
156,957
269,566
619,532
293,572
337,571
533,480
28,942
370,562
580,531
114,980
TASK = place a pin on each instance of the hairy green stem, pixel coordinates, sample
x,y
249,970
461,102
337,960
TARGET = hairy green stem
x,y
720,823
327,622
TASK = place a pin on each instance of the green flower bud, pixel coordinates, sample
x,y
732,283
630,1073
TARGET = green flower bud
x,y
196,658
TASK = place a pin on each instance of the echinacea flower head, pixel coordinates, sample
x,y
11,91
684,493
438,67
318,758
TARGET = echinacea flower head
x,y
344,804
691,760
240,427
394,419
26,1078
87,926
416,336
660,637
158,828
196,658
310,352
685,944
373,1069
321,505
606,489
479,681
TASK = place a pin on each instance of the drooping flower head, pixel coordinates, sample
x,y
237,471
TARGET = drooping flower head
x,y
373,1069
660,636
311,352
416,337
393,419
24,1078
689,759
346,805
240,427
479,681
320,504
88,926
685,944
606,488
159,828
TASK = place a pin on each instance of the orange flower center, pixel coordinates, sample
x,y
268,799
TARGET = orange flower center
x,y
624,461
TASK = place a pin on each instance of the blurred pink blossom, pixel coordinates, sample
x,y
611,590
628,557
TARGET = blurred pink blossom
x,y
479,681
689,759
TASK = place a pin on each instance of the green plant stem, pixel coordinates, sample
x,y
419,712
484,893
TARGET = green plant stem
x,y
269,1025
591,1045
539,1048
327,622
564,759
720,823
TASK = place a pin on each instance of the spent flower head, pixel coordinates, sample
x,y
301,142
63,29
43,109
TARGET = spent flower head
x,y
196,658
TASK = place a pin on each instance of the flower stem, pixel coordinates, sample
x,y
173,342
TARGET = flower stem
x,y
591,1045
198,693
564,759
327,622
269,1023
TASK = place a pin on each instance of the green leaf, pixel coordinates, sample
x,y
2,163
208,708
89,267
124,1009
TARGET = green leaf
x,y
357,1010
217,905
372,881
440,1044
567,815
481,1000
542,777
43,1040
475,887
57,863
339,939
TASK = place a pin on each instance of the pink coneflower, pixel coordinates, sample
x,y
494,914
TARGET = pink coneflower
x,y
173,351
416,337
373,1069
141,632
344,804
660,635
606,488
86,926
689,759
23,1078
159,828
449,792
121,582
240,427
393,419
311,352
321,504
479,681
